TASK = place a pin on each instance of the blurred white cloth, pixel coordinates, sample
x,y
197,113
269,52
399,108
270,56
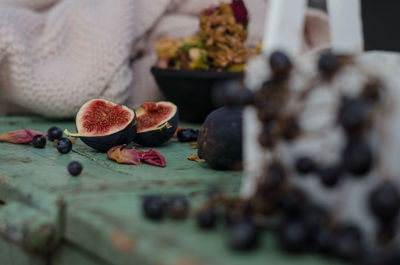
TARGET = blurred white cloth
x,y
57,54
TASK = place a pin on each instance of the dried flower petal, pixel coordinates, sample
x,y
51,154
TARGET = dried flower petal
x,y
195,157
152,157
124,156
23,136
240,12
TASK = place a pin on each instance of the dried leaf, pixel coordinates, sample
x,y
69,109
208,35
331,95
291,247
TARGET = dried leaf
x,y
152,157
124,156
23,136
195,157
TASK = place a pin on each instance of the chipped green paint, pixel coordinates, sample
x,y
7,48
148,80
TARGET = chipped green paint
x,y
96,218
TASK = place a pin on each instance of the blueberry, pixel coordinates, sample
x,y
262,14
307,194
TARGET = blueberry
x,y
358,159
64,145
305,165
292,236
75,168
207,218
321,240
153,207
349,230
243,235
314,217
39,141
187,135
280,64
352,114
328,63
384,202
54,133
292,203
330,175
177,206
347,247
275,177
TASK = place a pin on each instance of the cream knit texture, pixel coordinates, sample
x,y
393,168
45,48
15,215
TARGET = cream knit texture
x,y
55,55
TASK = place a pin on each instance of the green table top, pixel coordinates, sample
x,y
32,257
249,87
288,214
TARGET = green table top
x,y
99,213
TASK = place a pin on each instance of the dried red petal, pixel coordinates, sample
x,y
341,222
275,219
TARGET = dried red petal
x,y
124,156
152,157
23,136
240,12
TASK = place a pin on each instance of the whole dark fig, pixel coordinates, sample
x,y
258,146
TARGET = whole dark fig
x,y
220,139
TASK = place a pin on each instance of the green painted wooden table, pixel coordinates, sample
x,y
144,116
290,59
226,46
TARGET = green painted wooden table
x,y
53,218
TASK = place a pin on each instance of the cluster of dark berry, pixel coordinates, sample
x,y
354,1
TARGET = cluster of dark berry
x,y
299,223
63,145
156,207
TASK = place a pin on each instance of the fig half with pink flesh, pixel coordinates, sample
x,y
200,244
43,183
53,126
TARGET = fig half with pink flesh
x,y
157,123
102,124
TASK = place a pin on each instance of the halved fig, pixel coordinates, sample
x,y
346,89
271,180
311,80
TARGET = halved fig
x,y
157,123
102,124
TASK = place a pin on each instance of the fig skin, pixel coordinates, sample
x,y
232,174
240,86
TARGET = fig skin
x,y
160,136
162,133
104,143
220,139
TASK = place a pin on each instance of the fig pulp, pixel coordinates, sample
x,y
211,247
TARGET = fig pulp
x,y
157,123
220,139
102,124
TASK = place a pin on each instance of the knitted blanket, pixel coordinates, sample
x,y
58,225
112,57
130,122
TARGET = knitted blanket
x,y
57,54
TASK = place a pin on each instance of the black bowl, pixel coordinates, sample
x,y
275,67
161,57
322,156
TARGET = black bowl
x,y
191,90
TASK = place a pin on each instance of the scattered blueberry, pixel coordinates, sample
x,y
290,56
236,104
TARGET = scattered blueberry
x,y
321,240
177,206
75,168
314,217
328,63
275,177
292,236
54,133
330,175
384,202
207,218
305,165
64,145
358,159
243,235
352,114
347,247
292,202
187,135
280,64
153,207
39,141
